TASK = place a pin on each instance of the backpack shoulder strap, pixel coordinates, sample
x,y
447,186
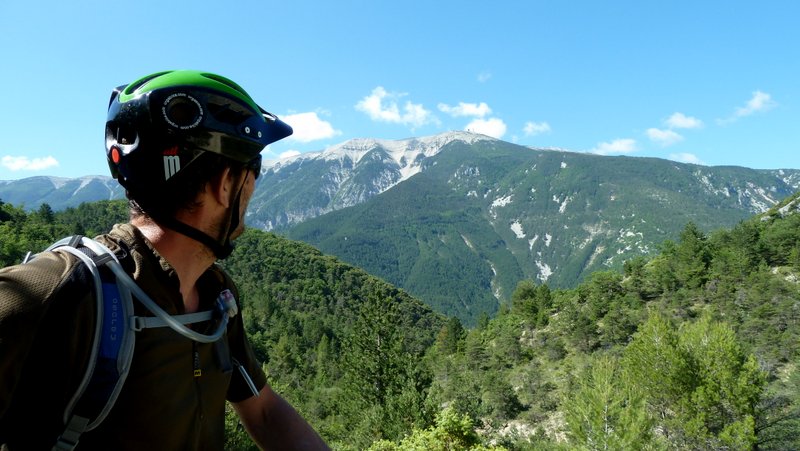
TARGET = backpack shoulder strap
x,y
113,342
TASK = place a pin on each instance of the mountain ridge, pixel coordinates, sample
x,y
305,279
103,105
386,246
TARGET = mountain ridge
x,y
345,175
59,192
556,216
485,212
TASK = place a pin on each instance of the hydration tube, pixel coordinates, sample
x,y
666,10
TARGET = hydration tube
x,y
226,304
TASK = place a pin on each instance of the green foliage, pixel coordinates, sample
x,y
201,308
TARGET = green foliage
x,y
699,380
92,219
380,375
427,252
533,302
449,337
341,345
236,438
706,332
607,410
22,232
452,432
692,257
778,415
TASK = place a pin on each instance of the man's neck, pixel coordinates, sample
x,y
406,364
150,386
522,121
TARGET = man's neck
x,y
189,258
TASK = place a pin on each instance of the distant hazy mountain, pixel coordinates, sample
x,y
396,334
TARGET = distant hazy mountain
x,y
58,192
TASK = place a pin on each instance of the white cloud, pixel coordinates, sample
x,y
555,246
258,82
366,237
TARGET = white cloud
x,y
536,128
466,109
309,127
493,127
616,147
484,76
27,164
382,106
680,120
289,153
759,102
685,158
663,137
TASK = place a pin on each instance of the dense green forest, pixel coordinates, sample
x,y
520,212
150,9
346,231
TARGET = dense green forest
x,y
695,348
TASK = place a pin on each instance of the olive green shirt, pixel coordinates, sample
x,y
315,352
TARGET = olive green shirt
x,y
47,311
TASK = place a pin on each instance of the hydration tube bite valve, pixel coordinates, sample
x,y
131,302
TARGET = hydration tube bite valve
x,y
227,303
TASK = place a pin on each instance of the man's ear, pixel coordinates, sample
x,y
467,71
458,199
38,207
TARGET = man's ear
x,y
220,187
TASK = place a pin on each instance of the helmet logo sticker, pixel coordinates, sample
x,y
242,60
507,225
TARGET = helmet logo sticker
x,y
182,111
123,145
172,162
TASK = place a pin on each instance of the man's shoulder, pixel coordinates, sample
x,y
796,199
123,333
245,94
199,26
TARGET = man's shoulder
x,y
45,268
119,234
29,286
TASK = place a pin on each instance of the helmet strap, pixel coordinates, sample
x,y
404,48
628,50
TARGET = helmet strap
x,y
223,248
220,250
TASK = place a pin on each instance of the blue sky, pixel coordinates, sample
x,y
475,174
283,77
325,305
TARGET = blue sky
x,y
708,82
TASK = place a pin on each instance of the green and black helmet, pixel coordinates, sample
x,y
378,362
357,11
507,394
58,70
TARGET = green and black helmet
x,y
162,122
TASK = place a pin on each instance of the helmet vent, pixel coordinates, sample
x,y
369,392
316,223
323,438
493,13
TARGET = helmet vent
x,y
141,82
226,82
226,111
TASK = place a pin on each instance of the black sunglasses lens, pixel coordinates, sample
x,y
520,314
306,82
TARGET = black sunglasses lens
x,y
255,166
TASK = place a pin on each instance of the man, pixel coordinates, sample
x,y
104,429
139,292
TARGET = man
x,y
186,146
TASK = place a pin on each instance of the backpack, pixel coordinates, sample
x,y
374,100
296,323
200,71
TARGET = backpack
x,y
115,334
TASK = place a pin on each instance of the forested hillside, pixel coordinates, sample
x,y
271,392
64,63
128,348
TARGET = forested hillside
x,y
457,219
22,232
479,217
694,348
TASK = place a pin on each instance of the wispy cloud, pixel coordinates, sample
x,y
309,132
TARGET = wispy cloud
x,y
664,137
27,164
289,153
536,128
616,147
685,158
758,103
309,127
484,76
466,109
493,127
761,101
667,137
382,106
680,120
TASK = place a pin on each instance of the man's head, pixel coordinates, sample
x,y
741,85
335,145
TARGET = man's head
x,y
170,133
161,125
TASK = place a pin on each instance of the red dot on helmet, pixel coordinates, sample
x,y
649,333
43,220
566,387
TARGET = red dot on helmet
x,y
115,154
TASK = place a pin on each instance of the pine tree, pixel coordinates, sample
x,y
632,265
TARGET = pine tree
x,y
693,257
607,411
697,381
450,336
379,379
